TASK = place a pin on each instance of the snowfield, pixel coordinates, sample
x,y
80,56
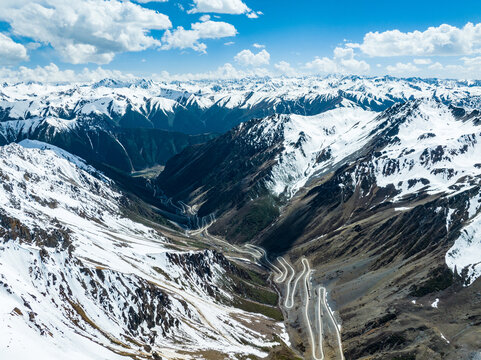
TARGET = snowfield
x,y
315,143
80,280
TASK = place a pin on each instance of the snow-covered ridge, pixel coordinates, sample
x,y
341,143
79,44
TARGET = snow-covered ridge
x,y
80,280
432,150
428,147
315,143
420,145
111,99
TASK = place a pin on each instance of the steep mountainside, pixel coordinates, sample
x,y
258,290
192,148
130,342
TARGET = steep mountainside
x,y
386,206
265,161
83,276
126,149
394,231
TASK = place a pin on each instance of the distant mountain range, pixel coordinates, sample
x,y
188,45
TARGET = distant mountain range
x,y
107,121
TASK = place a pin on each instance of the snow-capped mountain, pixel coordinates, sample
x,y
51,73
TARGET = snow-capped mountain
x,y
386,204
81,279
206,106
110,121
375,181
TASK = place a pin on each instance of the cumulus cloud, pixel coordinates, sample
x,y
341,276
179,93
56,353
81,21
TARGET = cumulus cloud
x,y
323,65
343,52
52,74
248,58
258,46
343,62
284,68
235,7
422,61
11,52
467,68
402,68
181,38
436,41
353,66
84,31
226,71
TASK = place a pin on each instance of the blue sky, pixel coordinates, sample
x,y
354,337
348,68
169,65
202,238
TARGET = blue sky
x,y
411,38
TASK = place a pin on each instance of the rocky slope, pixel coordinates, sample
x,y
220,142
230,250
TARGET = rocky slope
x,y
393,234
84,276
385,205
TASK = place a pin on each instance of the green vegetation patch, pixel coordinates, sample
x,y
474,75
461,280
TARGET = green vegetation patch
x,y
271,312
441,279
261,212
255,293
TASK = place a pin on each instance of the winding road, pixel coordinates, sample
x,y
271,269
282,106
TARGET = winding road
x,y
285,274
316,333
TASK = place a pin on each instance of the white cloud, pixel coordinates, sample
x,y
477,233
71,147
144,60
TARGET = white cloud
x,y
248,58
436,66
472,62
10,51
149,1
422,61
437,41
323,66
229,43
470,68
214,29
343,62
463,68
353,66
343,52
235,7
52,74
402,69
226,71
258,46
84,31
204,17
181,38
285,68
